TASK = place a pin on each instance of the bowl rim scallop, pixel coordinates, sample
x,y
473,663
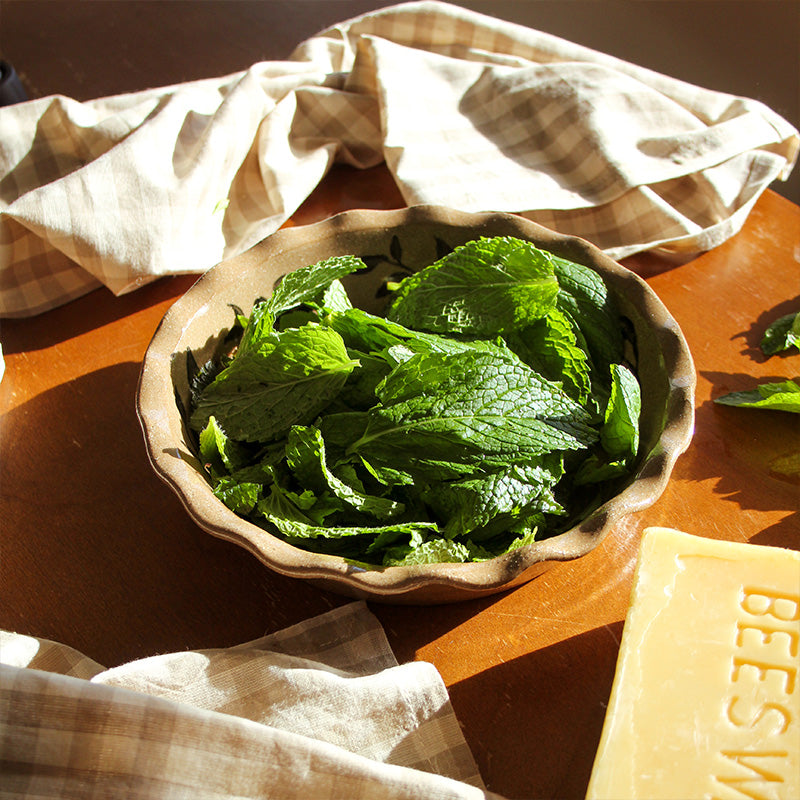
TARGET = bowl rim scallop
x,y
161,422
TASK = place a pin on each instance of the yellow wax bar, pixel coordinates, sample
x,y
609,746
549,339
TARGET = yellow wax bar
x,y
705,701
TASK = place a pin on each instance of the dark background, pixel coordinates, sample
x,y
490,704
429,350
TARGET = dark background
x,y
86,49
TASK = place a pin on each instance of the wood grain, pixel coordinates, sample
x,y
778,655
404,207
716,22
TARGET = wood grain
x,y
99,554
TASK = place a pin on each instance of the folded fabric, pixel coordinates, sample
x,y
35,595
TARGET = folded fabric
x,y
321,709
465,110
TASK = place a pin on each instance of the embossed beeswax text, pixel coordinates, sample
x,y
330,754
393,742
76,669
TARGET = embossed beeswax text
x,y
761,707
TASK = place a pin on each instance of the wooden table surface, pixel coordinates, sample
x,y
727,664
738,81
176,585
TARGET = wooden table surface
x,y
99,554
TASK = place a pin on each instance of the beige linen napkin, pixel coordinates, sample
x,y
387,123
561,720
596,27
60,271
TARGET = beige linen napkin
x,y
321,709
466,111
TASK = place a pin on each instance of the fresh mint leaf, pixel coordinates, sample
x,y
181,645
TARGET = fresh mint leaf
x,y
292,507
297,529
305,455
550,346
588,302
317,508
335,297
780,396
521,533
311,284
498,497
432,551
369,333
454,429
782,334
358,392
296,318
597,469
523,539
257,329
619,435
341,428
241,498
221,454
366,332
285,378
483,288
485,411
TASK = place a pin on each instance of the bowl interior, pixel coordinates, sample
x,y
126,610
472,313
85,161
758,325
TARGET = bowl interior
x,y
392,243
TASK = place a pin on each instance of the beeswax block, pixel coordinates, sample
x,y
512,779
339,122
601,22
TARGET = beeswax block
x,y
705,701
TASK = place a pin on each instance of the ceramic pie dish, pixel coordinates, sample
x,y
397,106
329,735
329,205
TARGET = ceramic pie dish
x,y
195,325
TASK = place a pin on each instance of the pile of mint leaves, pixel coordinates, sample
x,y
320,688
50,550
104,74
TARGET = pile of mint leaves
x,y
489,408
780,337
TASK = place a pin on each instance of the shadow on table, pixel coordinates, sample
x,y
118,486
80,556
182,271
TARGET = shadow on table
x,y
99,554
534,723
749,453
89,312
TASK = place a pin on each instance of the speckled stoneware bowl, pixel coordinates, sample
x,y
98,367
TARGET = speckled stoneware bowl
x,y
411,238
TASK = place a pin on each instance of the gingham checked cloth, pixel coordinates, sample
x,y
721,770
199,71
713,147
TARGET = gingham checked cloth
x,y
320,710
466,111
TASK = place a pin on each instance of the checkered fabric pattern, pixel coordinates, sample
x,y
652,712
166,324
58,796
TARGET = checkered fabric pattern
x,y
321,709
467,111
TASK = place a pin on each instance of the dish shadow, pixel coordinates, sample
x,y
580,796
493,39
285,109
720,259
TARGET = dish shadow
x,y
100,554
544,710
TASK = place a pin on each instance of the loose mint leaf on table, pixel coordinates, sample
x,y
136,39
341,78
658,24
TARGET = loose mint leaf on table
x,y
780,396
782,334
482,288
282,379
